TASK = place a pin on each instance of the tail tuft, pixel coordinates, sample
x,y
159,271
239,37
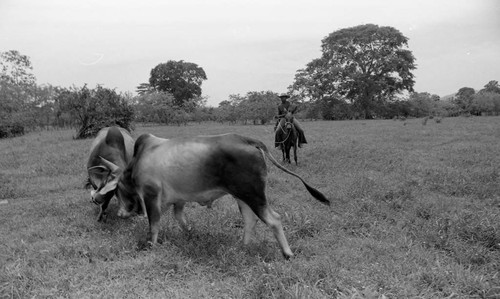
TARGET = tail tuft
x,y
316,194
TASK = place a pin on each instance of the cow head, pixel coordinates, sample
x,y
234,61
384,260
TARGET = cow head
x,y
104,180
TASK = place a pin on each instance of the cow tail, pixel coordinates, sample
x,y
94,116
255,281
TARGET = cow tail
x,y
313,191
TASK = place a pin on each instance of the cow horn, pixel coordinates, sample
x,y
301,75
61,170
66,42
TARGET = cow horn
x,y
112,166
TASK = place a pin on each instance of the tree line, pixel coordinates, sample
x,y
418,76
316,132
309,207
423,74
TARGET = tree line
x,y
363,72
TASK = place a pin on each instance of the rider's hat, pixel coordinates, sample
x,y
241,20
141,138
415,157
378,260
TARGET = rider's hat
x,y
284,95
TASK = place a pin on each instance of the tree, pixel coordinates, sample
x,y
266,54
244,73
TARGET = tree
x,y
492,87
463,99
144,88
226,111
423,104
366,64
95,109
258,106
16,69
182,79
17,84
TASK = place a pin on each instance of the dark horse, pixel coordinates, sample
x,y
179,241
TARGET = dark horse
x,y
287,137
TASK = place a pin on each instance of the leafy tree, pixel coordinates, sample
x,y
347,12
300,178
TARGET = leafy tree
x,y
463,99
423,104
95,109
492,87
257,106
155,107
227,111
16,92
366,64
16,69
144,88
182,79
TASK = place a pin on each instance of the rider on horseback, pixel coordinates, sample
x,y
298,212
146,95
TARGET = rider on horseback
x,y
283,109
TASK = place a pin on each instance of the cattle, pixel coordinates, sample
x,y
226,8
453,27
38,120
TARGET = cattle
x,y
112,146
200,169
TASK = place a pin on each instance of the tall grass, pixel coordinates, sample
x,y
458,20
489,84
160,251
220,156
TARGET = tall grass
x,y
415,213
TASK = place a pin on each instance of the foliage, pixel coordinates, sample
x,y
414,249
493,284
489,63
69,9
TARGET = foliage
x,y
144,88
95,109
366,65
182,79
492,87
258,107
161,107
486,102
463,99
423,103
11,130
16,69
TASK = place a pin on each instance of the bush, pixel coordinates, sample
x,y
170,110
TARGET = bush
x,y
11,130
95,109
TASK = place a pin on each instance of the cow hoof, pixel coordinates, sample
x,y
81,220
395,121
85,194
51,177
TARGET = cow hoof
x,y
102,217
287,256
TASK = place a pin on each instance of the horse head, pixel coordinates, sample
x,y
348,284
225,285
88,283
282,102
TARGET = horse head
x,y
288,120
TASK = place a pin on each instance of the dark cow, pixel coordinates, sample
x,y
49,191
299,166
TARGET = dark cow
x,y
200,169
113,147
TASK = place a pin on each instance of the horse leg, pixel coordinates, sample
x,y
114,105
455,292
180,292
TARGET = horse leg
x,y
295,152
288,153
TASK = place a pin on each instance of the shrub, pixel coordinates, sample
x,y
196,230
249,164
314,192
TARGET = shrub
x,y
95,109
11,130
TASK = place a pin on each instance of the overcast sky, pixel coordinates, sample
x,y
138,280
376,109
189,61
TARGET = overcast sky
x,y
243,45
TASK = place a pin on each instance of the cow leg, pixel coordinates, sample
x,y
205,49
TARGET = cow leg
x,y
102,212
180,216
250,220
152,201
272,219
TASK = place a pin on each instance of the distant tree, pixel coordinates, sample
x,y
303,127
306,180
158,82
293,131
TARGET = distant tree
x,y
17,84
423,104
144,88
95,109
492,87
182,79
155,107
487,103
227,111
366,65
160,107
334,108
259,106
16,69
463,99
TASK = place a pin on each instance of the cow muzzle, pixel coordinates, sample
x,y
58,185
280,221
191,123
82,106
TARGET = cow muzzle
x,y
97,198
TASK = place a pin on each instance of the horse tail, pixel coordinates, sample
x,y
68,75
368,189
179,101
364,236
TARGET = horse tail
x,y
313,191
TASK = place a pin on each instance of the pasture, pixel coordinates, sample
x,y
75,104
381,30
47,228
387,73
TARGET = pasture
x,y
415,214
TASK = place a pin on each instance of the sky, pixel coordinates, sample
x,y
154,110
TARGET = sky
x,y
243,45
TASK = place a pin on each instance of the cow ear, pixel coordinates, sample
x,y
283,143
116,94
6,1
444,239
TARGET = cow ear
x,y
110,165
98,175
110,184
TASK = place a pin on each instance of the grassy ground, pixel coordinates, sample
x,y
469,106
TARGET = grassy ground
x,y
415,213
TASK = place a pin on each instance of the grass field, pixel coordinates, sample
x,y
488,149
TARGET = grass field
x,y
415,214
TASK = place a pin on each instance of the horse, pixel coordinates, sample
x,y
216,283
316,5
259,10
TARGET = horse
x,y
287,137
